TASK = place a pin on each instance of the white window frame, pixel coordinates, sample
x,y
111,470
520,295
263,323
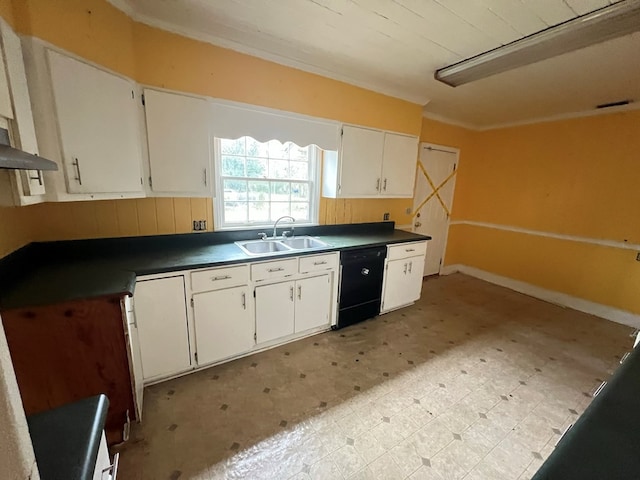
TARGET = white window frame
x,y
315,156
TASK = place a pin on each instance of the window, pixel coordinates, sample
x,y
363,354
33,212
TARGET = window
x,y
259,182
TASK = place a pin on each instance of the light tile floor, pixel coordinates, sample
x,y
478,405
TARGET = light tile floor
x,y
474,381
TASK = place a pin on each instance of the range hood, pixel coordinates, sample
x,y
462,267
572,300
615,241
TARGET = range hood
x,y
14,159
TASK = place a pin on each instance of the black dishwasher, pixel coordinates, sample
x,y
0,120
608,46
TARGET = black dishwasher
x,y
360,284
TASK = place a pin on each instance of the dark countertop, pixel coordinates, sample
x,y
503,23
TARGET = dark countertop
x,y
66,439
604,443
54,272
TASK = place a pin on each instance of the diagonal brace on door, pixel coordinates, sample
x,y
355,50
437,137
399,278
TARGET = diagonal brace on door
x,y
435,190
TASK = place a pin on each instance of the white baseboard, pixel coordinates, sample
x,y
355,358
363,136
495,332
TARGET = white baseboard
x,y
604,311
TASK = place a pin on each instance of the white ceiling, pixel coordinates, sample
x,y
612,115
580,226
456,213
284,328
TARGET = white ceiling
x,y
395,46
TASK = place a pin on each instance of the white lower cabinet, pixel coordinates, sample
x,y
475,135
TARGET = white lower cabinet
x,y
403,275
105,469
224,324
275,311
161,315
313,303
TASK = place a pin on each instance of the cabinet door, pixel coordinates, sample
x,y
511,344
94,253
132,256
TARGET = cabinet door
x,y
161,314
360,162
180,153
414,278
136,360
224,325
274,311
399,162
395,282
99,128
313,296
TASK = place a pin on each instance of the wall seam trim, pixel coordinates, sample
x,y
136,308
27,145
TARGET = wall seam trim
x,y
607,312
559,236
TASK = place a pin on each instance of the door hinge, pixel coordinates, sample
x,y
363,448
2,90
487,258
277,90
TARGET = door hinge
x,y
196,356
191,302
454,167
254,293
141,181
142,100
255,337
341,132
339,188
440,261
150,182
132,94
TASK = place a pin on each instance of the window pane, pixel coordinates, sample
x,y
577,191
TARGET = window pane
x,y
280,191
233,147
279,150
256,148
235,190
278,209
259,211
259,191
279,169
300,211
299,153
299,171
256,168
233,166
300,191
235,212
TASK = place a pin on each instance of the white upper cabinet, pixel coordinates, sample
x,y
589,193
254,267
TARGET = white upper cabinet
x,y
180,146
371,164
399,161
99,127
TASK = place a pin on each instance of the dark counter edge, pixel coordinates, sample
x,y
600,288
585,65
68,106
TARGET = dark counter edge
x,y
66,439
17,266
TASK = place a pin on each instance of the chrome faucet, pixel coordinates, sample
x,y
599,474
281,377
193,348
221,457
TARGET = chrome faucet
x,y
275,225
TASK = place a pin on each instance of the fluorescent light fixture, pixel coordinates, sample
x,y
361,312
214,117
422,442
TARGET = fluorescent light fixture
x,y
613,21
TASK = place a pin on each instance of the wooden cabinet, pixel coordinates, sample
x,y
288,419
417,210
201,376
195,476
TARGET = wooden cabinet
x,y
313,303
275,311
403,275
180,144
99,128
224,325
371,163
69,351
161,315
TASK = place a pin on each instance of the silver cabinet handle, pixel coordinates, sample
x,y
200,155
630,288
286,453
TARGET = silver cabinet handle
x,y
320,263
563,434
410,265
384,186
223,277
204,176
113,468
405,269
291,293
624,357
410,250
378,185
244,300
78,177
279,269
599,389
299,292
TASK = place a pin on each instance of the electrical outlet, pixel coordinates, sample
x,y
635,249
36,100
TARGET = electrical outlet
x,y
408,211
638,257
196,225
385,217
203,225
199,225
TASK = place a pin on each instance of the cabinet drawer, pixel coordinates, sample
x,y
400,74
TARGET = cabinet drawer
x,y
406,250
316,263
217,278
277,269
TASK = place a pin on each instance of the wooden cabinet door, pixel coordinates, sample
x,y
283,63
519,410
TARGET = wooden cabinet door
x,y
395,284
180,148
224,324
161,314
275,309
399,162
312,305
98,123
360,162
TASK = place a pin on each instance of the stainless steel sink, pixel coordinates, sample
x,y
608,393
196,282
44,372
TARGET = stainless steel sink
x,y
272,246
301,243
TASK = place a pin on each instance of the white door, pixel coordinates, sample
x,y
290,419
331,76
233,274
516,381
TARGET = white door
x,y
360,162
99,127
433,200
399,165
312,303
161,314
274,311
224,324
180,153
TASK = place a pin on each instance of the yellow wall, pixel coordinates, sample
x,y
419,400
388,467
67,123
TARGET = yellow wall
x,y
95,30
575,177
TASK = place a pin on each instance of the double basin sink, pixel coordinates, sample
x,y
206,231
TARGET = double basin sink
x,y
284,245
